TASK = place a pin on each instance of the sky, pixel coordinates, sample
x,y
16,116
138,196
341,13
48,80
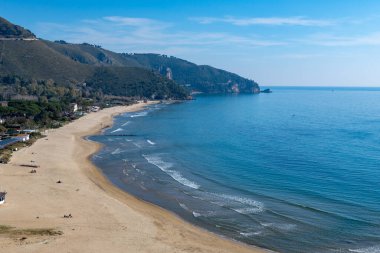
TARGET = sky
x,y
274,42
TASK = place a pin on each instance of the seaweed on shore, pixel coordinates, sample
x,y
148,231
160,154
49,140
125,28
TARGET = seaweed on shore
x,y
12,231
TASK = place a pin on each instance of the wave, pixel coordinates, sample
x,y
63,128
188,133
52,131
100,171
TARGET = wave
x,y
373,249
116,151
151,142
137,145
248,210
238,204
184,206
250,234
126,123
165,167
279,226
139,114
117,130
196,215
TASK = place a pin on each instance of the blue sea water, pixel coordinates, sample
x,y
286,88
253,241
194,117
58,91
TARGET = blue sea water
x,y
297,170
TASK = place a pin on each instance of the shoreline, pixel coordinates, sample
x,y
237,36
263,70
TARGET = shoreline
x,y
107,218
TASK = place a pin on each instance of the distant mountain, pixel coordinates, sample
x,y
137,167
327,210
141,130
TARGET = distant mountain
x,y
148,75
9,30
198,77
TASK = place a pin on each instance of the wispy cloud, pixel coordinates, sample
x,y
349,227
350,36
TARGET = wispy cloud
x,y
273,21
370,39
129,21
142,34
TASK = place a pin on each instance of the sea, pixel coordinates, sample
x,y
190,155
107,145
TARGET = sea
x,y
296,170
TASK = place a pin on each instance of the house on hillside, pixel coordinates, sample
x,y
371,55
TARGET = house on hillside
x,y
4,103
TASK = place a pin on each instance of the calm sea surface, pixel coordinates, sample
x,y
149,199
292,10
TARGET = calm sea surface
x,y
297,170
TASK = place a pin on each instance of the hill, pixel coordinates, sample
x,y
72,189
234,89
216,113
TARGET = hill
x,y
64,63
199,77
11,31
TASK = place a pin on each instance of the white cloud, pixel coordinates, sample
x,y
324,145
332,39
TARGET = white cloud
x,y
273,21
128,21
371,39
139,34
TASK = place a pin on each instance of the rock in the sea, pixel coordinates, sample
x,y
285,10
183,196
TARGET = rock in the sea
x,y
266,91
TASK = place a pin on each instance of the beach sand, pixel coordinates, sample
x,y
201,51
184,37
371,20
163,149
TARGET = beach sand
x,y
104,218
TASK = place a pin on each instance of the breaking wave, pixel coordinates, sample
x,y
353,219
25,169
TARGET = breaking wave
x,y
116,151
139,114
117,130
373,249
166,167
151,142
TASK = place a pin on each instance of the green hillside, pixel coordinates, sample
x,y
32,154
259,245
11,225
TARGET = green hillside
x,y
9,30
145,75
36,60
198,77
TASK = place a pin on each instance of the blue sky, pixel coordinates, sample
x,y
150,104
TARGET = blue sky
x,y
274,42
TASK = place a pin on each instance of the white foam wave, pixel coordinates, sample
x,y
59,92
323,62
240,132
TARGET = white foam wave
x,y
137,145
250,205
126,123
248,210
373,249
165,167
151,142
117,130
285,227
143,187
196,215
139,114
116,151
184,206
250,234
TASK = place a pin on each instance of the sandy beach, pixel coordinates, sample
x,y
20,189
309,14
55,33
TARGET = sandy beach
x,y
104,218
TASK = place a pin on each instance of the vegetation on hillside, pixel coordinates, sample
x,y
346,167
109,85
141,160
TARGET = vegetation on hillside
x,y
135,82
66,63
9,30
198,77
